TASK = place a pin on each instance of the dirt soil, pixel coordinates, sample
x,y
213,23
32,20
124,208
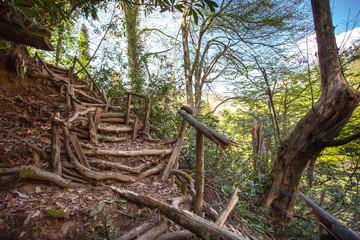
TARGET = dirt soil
x,y
33,209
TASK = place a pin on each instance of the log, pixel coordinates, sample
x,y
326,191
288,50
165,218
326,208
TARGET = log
x,y
199,173
77,114
128,105
136,94
8,171
92,128
151,171
116,129
99,152
182,234
176,153
55,147
156,231
334,226
103,138
88,97
78,149
113,115
147,114
192,222
115,120
32,172
136,231
119,166
228,208
217,138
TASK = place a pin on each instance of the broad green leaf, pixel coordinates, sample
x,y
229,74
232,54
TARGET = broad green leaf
x,y
96,210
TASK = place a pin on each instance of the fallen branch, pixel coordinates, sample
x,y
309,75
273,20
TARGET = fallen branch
x,y
156,230
38,150
195,224
228,208
136,231
182,234
8,171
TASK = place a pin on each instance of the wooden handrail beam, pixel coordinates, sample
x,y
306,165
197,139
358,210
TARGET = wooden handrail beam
x,y
339,230
216,137
136,94
92,80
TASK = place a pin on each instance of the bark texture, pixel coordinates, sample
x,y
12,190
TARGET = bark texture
x,y
322,123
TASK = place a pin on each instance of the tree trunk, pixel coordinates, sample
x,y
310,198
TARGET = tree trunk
x,y
188,75
59,44
322,123
258,147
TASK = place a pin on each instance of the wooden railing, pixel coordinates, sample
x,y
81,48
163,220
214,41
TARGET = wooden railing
x,y
202,131
330,228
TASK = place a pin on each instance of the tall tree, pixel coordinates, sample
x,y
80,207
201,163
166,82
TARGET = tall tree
x,y
318,128
134,48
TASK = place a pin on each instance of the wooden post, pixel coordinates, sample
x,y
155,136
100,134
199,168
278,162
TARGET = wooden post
x,y
147,114
199,175
73,103
175,154
97,118
91,86
136,126
92,129
55,147
78,149
228,208
108,103
104,94
71,71
67,96
127,117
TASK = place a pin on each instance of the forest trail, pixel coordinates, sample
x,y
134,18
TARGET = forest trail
x,y
110,146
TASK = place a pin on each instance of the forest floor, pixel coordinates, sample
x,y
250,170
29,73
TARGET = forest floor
x,y
34,209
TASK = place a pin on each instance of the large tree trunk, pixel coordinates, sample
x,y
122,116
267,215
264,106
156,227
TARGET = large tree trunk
x,y
133,39
321,124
